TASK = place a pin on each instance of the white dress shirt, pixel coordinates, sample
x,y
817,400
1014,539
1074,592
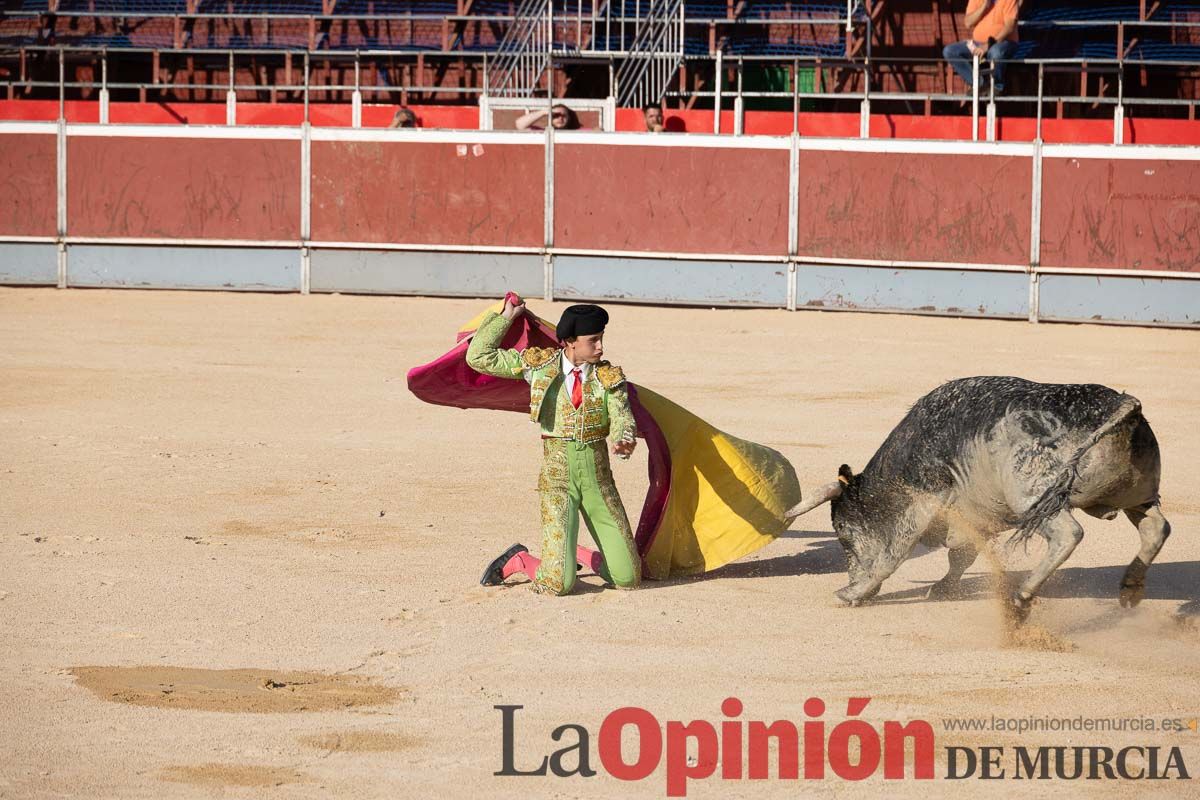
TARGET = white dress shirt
x,y
585,370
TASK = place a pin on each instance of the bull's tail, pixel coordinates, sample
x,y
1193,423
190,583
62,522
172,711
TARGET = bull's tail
x,y
1057,495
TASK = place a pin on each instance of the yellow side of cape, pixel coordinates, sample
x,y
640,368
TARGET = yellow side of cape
x,y
728,495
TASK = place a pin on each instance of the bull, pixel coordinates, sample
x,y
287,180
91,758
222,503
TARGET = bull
x,y
979,456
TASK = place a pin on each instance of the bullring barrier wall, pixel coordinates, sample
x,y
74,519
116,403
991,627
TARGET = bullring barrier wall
x,y
1000,229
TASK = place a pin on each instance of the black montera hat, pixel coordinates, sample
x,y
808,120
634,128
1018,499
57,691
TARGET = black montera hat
x,y
581,321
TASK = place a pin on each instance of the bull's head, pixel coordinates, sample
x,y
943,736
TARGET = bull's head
x,y
862,544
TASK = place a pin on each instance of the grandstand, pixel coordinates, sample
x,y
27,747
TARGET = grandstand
x,y
1073,61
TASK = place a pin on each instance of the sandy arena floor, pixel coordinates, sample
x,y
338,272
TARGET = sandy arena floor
x,y
234,496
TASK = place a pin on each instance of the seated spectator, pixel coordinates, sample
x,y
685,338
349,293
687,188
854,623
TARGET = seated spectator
x,y
653,115
993,25
404,118
561,118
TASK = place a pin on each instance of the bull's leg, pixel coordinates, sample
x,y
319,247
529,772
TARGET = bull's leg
x,y
947,588
1154,529
1062,533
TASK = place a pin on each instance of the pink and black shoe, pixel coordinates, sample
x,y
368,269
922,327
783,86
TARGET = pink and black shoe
x,y
494,574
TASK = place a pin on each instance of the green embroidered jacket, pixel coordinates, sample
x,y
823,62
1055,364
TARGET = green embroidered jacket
x,y
605,408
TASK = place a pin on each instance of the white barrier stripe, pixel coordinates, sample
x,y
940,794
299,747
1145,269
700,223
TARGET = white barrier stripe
x,y
669,255
452,248
918,146
1124,152
874,262
27,127
183,242
427,136
184,132
1100,272
708,140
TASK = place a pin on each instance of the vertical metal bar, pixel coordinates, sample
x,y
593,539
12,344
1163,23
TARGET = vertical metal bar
x,y
306,87
991,107
717,92
306,198
864,117
356,98
1035,231
548,264
231,96
975,99
61,200
738,102
795,96
306,182
791,286
62,77
794,195
1041,82
104,87
1035,297
1119,113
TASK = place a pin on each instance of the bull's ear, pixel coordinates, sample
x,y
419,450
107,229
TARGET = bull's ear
x,y
845,474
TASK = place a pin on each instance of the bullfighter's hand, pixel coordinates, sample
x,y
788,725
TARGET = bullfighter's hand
x,y
624,449
513,309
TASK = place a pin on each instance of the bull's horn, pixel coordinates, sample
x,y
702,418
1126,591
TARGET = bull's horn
x,y
822,495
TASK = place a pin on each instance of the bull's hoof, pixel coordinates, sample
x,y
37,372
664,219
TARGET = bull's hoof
x,y
1017,608
1131,594
852,597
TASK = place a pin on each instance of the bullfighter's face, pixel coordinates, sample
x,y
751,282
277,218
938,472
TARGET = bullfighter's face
x,y
587,349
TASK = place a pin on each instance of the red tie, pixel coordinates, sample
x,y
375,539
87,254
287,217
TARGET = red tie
x,y
577,389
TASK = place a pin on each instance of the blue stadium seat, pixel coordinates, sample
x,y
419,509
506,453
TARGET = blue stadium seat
x,y
34,6
1067,11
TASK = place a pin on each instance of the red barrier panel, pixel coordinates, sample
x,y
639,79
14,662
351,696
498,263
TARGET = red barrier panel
x,y
915,207
28,186
436,193
1121,214
671,199
123,186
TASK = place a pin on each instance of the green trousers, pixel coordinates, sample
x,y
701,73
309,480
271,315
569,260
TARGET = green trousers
x,y
576,478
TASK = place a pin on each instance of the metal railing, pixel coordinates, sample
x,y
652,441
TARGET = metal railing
x,y
983,102
523,55
654,57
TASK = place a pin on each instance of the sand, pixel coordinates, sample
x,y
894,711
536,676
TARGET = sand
x,y
198,483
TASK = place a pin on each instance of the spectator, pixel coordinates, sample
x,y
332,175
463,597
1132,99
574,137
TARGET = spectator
x,y
404,118
653,115
561,118
993,25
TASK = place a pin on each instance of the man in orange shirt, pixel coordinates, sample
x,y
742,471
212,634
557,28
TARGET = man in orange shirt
x,y
993,25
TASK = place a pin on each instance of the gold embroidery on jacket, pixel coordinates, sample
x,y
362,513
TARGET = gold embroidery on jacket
x,y
610,375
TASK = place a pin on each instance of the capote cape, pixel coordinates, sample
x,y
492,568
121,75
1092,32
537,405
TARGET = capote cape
x,y
712,497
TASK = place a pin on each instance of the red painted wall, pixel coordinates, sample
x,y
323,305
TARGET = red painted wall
x,y
28,185
934,207
671,199
914,207
183,188
1123,214
436,193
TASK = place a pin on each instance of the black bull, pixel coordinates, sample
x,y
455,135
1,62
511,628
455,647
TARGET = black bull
x,y
979,456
